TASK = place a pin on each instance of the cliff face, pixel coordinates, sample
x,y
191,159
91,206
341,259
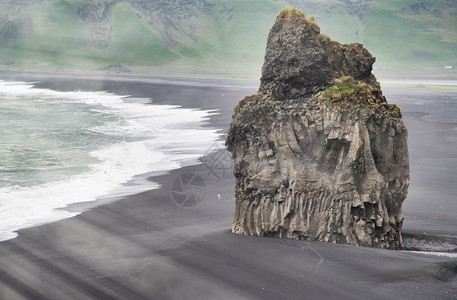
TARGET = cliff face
x,y
164,18
95,16
318,153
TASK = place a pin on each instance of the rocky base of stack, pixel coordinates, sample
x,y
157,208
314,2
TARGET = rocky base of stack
x,y
307,170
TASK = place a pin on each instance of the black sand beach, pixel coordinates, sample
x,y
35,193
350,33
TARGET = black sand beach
x,y
148,247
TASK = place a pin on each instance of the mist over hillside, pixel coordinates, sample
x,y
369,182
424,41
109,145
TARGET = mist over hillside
x,y
137,35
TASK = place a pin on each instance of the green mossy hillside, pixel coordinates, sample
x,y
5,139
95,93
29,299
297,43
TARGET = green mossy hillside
x,y
219,36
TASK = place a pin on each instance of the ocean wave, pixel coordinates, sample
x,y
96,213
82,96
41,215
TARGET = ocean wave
x,y
145,137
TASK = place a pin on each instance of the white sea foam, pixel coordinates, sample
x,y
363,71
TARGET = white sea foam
x,y
423,81
444,254
153,138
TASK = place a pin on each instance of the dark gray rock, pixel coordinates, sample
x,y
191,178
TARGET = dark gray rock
x,y
300,62
318,153
116,68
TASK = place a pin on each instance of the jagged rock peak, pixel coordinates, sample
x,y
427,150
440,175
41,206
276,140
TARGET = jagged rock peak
x,y
318,152
299,61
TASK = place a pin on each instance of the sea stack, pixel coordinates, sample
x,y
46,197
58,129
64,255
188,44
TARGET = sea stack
x,y
318,152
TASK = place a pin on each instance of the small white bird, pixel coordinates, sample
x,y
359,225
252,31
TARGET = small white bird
x,y
219,197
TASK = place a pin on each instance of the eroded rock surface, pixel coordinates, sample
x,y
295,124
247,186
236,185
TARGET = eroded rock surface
x,y
318,152
301,62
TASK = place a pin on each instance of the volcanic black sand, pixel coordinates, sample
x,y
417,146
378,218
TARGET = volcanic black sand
x,y
147,246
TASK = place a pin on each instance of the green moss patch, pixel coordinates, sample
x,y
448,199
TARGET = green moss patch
x,y
348,93
246,100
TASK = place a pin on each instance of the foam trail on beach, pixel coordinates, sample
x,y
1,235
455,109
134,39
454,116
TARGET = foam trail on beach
x,y
443,254
139,137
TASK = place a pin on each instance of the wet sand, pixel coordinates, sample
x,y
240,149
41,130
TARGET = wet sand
x,y
147,246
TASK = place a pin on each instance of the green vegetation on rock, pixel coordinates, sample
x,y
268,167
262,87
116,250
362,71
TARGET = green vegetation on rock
x,y
348,93
346,89
289,13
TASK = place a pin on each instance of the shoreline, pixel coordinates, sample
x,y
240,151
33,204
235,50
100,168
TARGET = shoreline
x,y
412,81
170,79
189,70
165,144
147,246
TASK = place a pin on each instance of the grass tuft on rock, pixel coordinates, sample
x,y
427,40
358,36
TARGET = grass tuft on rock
x,y
348,93
289,13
